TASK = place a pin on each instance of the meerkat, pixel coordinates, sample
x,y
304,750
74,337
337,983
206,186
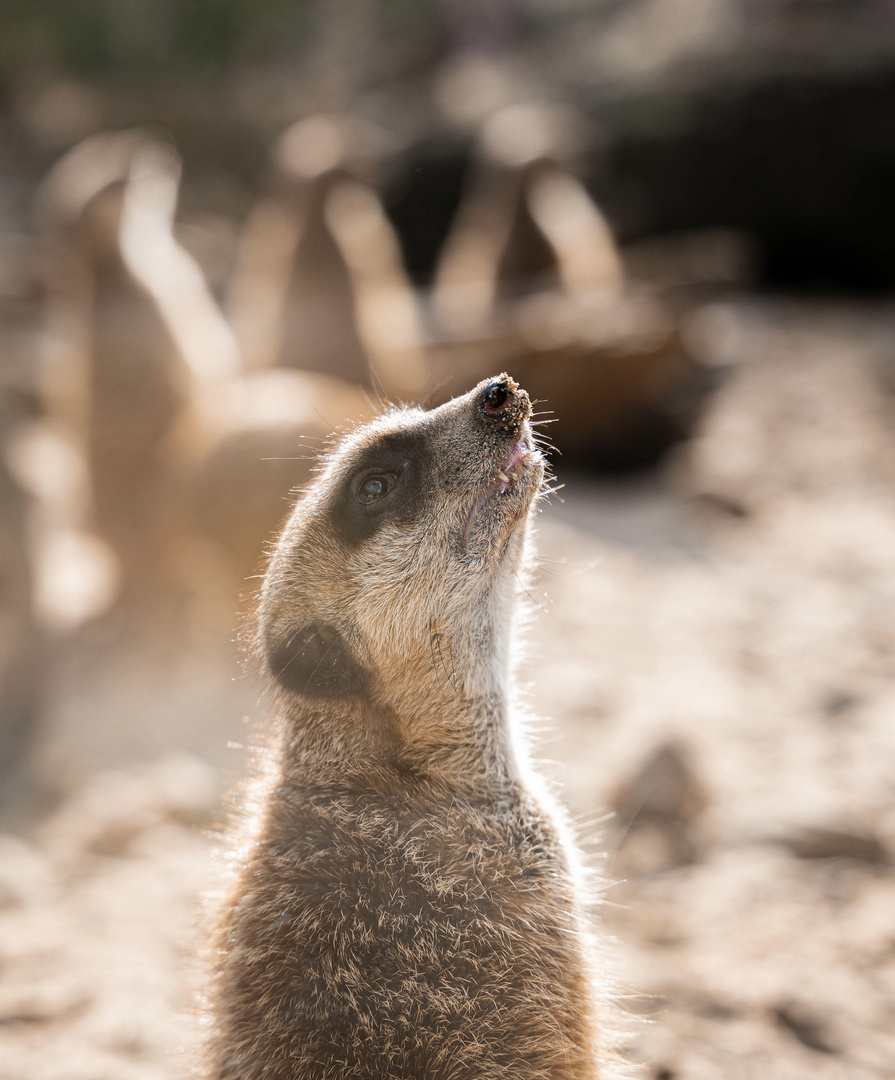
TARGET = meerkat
x,y
181,442
405,901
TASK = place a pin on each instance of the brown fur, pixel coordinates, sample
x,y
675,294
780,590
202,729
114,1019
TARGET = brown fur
x,y
404,905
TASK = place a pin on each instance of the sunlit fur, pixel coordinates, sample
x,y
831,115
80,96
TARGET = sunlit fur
x,y
405,903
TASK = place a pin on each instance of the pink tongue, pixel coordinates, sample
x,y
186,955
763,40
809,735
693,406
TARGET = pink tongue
x,y
513,456
516,453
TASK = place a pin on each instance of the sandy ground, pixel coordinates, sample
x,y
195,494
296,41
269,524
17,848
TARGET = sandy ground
x,y
713,656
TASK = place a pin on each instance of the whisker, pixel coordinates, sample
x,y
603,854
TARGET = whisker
x,y
432,638
376,406
427,395
319,662
435,641
538,606
328,423
383,402
294,457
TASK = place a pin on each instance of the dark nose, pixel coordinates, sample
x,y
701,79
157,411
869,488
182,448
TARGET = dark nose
x,y
502,397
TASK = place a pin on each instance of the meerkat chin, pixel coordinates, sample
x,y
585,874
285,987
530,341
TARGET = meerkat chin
x,y
405,902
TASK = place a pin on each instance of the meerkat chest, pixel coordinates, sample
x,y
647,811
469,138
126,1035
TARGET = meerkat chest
x,y
370,937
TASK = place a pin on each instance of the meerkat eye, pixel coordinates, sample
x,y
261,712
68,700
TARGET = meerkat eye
x,y
374,488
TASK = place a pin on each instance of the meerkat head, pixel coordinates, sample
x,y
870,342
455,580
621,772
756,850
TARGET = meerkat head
x,y
399,566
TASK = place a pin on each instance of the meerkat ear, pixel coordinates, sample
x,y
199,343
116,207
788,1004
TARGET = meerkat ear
x,y
315,661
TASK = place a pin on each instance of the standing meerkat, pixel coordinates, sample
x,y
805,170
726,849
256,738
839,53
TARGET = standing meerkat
x,y
405,903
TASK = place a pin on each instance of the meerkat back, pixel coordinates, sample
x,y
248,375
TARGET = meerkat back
x,y
404,903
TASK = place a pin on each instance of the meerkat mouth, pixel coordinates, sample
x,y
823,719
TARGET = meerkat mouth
x,y
511,467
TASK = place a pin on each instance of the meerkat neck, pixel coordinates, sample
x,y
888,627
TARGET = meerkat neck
x,y
454,708
456,741
465,743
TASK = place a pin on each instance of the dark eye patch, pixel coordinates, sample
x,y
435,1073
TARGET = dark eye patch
x,y
384,483
315,660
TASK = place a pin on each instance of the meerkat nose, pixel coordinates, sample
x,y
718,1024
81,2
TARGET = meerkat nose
x,y
501,396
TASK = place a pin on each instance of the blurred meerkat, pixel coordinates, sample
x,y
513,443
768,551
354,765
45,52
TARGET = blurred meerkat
x,y
526,223
406,902
23,660
530,274
320,282
114,369
180,441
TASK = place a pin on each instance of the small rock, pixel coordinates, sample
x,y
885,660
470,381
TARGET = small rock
x,y
839,703
808,1026
824,843
658,811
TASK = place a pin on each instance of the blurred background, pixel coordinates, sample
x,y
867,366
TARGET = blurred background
x,y
228,229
